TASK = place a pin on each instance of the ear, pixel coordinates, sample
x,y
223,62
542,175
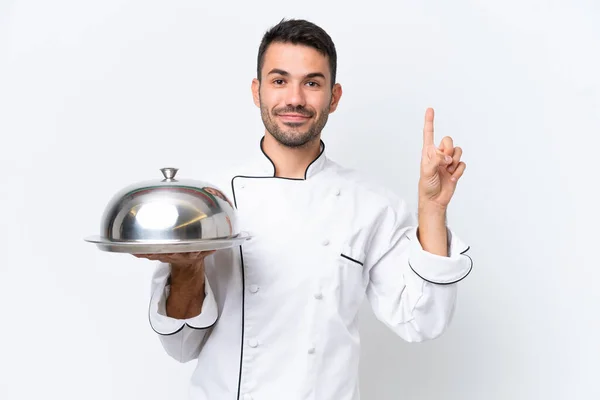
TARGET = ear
x,y
336,95
255,92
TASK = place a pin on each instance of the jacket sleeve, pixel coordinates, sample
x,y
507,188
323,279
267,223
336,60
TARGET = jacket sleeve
x,y
181,339
411,290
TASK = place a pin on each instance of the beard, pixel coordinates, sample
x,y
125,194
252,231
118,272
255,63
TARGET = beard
x,y
294,134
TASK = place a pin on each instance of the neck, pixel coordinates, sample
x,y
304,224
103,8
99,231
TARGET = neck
x,y
291,162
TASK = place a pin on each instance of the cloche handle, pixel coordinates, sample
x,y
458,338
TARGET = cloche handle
x,y
169,173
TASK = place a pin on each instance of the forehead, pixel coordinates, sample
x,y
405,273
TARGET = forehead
x,y
296,59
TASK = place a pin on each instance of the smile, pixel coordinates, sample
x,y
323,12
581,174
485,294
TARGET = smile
x,y
293,117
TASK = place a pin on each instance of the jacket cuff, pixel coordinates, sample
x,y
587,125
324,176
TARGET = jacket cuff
x,y
438,269
165,325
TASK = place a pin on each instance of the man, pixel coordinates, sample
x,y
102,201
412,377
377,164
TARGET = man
x,y
277,318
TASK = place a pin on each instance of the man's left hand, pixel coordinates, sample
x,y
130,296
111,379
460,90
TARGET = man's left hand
x,y
441,168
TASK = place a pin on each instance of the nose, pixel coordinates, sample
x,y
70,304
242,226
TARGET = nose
x,y
295,96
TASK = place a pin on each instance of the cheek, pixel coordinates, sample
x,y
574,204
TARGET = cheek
x,y
320,103
270,101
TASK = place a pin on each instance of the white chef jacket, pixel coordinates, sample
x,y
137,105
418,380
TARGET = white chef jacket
x,y
279,320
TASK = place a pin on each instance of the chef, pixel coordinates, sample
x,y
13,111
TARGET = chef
x,y
277,317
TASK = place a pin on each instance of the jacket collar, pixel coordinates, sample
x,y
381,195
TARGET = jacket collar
x,y
267,167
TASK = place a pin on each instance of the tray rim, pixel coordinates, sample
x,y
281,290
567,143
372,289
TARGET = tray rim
x,y
172,246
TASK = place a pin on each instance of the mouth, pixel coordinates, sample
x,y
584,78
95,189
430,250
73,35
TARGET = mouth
x,y
293,117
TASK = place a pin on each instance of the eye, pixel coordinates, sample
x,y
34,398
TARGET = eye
x,y
312,84
278,81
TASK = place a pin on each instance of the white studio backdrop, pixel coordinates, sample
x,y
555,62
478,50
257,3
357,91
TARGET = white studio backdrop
x,y
97,95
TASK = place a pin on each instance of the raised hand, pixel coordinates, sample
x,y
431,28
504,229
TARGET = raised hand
x,y
441,167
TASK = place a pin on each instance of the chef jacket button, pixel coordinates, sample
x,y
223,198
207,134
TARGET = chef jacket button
x,y
337,192
253,288
253,343
311,350
325,242
318,295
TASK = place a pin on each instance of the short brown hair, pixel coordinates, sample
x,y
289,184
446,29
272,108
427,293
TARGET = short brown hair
x,y
299,31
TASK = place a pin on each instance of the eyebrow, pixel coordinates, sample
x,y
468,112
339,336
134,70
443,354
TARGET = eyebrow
x,y
285,73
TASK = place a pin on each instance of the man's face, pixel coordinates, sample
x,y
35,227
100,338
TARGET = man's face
x,y
295,96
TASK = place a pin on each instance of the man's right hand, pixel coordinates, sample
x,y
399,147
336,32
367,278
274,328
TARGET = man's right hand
x,y
193,260
187,282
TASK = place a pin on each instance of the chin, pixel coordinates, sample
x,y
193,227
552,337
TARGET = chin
x,y
299,140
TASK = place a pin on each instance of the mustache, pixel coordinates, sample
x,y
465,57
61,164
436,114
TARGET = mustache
x,y
293,110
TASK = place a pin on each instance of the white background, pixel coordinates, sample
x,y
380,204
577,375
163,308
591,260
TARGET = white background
x,y
95,95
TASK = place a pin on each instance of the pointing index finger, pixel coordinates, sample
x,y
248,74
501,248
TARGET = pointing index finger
x,y
428,128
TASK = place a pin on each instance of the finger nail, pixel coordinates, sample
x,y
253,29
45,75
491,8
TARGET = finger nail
x,y
448,159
